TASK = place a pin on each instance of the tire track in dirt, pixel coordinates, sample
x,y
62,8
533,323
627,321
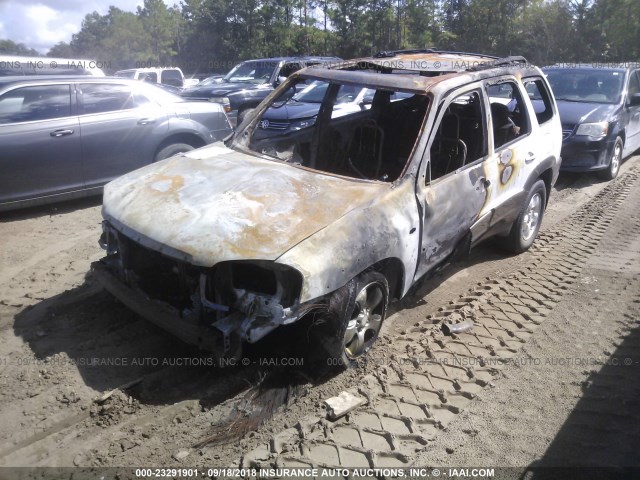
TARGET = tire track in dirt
x,y
424,379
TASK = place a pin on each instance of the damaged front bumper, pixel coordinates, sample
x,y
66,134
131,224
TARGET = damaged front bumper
x,y
217,309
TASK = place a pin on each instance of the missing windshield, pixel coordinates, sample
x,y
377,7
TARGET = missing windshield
x,y
345,129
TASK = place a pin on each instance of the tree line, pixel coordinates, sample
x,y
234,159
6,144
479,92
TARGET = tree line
x,y
212,35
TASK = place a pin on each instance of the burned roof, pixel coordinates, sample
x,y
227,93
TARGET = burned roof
x,y
430,61
414,70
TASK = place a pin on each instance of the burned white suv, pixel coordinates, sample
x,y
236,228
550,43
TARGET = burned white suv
x,y
333,218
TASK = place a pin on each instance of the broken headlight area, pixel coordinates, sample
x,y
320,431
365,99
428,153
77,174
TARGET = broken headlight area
x,y
241,300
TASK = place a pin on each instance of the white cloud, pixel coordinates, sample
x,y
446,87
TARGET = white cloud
x,y
40,24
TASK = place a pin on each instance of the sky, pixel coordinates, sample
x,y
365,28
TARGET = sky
x,y
40,24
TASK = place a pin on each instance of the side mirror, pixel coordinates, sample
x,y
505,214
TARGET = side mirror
x,y
280,80
634,99
284,98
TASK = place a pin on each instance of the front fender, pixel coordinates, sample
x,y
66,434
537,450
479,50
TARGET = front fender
x,y
387,227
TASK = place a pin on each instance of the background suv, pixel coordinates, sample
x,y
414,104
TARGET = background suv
x,y
68,136
600,113
248,83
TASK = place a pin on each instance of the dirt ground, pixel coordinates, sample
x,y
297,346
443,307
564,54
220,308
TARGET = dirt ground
x,y
548,376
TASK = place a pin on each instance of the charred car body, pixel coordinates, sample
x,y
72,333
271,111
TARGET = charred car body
x,y
224,244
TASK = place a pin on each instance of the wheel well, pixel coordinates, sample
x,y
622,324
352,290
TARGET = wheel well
x,y
547,177
393,270
189,138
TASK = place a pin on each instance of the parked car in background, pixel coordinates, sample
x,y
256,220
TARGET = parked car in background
x,y
63,137
190,82
330,222
210,80
302,110
600,113
172,77
248,83
12,65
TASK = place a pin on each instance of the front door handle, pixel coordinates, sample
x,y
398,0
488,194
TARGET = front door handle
x,y
146,121
530,157
61,132
486,182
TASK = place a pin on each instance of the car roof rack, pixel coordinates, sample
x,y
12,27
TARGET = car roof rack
x,y
393,53
499,62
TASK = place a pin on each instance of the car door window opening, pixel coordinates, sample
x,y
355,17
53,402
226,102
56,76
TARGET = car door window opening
x,y
540,98
508,113
459,138
345,129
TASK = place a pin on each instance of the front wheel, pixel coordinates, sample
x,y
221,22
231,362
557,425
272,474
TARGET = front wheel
x,y
614,163
171,150
353,321
525,228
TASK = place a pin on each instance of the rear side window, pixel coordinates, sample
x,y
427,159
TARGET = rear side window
x,y
105,97
171,77
151,77
41,102
508,113
540,99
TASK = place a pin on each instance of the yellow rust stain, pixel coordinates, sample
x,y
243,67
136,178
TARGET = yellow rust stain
x,y
176,182
313,212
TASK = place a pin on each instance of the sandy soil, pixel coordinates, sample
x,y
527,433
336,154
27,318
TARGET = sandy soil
x,y
65,343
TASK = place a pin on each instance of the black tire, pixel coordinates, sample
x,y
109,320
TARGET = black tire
x,y
525,229
614,161
243,114
349,311
171,150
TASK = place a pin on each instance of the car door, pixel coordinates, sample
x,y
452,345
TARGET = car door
x,y
544,115
455,191
118,129
40,151
514,150
633,127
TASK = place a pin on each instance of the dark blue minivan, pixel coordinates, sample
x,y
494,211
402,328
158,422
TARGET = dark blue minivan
x,y
600,113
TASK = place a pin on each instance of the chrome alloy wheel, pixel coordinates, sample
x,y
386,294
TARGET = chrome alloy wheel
x,y
366,320
615,159
531,217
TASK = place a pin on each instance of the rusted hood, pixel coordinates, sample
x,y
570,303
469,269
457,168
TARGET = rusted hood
x,y
216,204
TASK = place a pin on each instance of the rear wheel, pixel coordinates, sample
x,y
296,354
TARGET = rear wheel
x,y
614,163
171,150
525,228
353,322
